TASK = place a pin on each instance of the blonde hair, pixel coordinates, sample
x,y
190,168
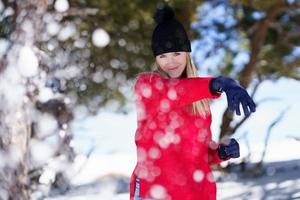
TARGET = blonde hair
x,y
201,107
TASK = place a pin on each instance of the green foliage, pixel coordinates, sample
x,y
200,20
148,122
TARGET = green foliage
x,y
129,25
258,4
279,41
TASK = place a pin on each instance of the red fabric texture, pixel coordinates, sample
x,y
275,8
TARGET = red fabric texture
x,y
174,148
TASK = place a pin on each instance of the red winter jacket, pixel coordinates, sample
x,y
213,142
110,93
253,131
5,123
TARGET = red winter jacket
x,y
174,147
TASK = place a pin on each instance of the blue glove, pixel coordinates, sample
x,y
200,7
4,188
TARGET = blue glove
x,y
235,93
230,150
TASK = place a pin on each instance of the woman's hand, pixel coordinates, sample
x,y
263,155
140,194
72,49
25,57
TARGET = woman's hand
x,y
235,93
230,149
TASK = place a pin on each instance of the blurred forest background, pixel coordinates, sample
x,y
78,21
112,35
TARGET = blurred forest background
x,y
62,60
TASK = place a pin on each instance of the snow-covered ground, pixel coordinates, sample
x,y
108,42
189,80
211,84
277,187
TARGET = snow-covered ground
x,y
282,182
106,177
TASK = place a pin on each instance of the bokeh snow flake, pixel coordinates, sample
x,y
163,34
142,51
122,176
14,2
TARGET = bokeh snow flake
x,y
175,123
154,153
67,32
98,77
12,99
115,63
122,42
165,105
140,109
199,123
47,124
47,177
202,135
210,177
212,145
159,85
41,151
53,28
80,112
146,90
172,94
152,125
1,6
4,44
198,175
27,62
45,95
141,154
158,192
154,172
112,105
165,139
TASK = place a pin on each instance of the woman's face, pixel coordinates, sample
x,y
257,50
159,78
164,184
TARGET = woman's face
x,y
172,63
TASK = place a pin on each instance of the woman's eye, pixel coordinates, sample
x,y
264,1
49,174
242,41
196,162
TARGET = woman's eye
x,y
176,54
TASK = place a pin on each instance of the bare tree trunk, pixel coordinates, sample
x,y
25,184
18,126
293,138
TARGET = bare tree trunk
x,y
258,32
14,148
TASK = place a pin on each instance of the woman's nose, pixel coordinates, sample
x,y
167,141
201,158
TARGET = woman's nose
x,y
170,59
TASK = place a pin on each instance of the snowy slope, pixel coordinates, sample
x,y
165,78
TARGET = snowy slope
x,y
106,177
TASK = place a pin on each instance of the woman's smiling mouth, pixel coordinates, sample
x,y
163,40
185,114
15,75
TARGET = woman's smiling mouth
x,y
173,68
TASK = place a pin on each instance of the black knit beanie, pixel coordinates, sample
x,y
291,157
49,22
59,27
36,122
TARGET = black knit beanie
x,y
169,35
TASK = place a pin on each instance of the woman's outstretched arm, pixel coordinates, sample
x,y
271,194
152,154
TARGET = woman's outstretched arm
x,y
155,93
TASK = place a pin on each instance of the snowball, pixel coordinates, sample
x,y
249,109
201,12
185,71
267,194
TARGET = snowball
x,y
61,5
100,38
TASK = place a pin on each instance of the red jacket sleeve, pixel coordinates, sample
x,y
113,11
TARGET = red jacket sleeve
x,y
155,93
213,157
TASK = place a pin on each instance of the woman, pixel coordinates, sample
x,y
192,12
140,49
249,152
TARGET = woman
x,y
174,143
